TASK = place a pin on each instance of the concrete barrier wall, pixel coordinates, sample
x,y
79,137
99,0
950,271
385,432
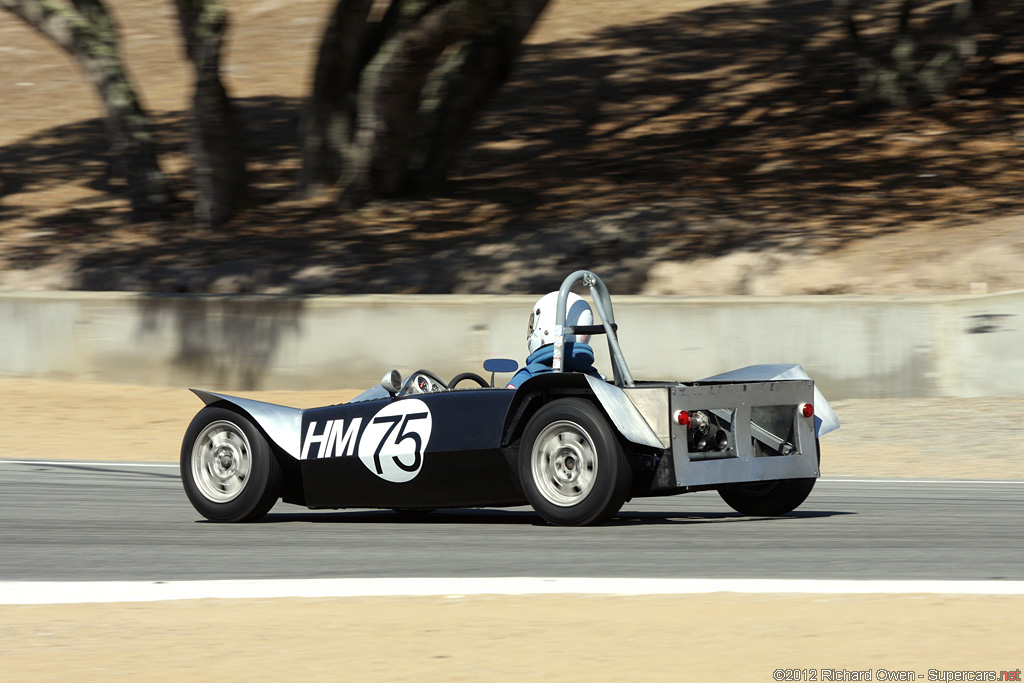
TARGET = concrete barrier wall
x,y
852,346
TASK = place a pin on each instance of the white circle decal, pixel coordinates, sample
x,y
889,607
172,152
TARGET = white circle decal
x,y
393,443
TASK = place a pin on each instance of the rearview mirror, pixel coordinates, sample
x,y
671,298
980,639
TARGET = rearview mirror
x,y
500,365
392,382
493,365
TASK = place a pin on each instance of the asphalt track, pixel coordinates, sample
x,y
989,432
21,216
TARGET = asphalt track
x,y
118,522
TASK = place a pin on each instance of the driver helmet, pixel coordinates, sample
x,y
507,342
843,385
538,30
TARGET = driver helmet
x,y
542,320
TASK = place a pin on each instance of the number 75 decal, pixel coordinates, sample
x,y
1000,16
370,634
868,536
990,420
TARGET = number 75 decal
x,y
393,443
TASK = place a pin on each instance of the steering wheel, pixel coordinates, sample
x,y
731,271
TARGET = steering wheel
x,y
468,375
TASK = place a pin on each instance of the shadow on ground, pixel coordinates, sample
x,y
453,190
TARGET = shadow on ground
x,y
707,131
522,517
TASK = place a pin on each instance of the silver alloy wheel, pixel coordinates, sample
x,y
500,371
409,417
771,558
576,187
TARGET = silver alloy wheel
x,y
221,461
564,463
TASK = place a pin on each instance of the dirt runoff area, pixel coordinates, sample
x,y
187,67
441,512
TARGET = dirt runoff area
x,y
715,637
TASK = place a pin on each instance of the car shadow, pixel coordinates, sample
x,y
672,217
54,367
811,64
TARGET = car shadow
x,y
461,516
522,517
630,518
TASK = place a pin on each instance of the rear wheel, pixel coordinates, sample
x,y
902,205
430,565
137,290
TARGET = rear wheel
x,y
768,498
571,464
227,468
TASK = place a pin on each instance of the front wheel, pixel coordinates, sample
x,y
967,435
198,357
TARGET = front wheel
x,y
227,468
571,464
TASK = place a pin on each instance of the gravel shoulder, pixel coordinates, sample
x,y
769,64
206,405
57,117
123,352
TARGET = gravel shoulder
x,y
717,637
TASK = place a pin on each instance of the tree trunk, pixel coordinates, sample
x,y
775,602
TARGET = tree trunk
x,y
898,74
389,96
328,124
459,89
393,98
88,34
215,134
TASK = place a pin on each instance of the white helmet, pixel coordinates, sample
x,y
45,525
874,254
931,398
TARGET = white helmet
x,y
542,320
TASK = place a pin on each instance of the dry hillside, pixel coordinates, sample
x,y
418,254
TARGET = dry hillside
x,y
689,146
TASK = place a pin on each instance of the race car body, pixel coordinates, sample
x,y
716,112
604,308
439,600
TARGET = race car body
x,y
572,445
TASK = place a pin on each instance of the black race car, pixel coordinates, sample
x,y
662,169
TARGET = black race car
x,y
572,445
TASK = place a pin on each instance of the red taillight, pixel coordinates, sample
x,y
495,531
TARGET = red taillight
x,y
683,418
806,409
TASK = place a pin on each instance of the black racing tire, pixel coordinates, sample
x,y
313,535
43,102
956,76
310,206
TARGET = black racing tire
x,y
571,464
227,468
768,498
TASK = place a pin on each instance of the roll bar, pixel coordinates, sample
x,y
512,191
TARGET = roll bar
x,y
603,304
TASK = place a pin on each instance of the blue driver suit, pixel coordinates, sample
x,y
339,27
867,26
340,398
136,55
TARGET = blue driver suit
x,y
576,357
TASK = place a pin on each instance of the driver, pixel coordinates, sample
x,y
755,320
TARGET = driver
x,y
577,356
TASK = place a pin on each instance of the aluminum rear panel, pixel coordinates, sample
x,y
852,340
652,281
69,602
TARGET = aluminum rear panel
x,y
753,450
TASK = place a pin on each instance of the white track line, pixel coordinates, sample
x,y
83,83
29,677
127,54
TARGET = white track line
x,y
55,592
843,480
77,463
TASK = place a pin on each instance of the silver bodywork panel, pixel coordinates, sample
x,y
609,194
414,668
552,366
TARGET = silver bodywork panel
x,y
744,459
652,403
624,414
738,400
283,425
825,420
